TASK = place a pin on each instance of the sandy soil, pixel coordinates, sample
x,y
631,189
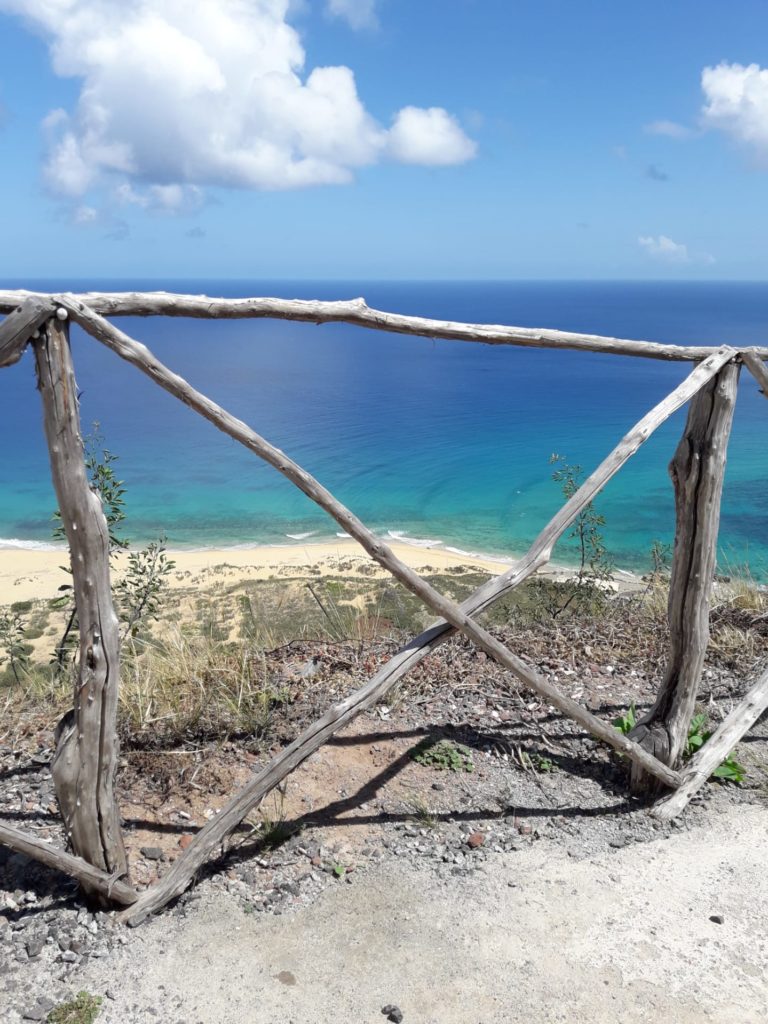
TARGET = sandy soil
x,y
626,937
31,575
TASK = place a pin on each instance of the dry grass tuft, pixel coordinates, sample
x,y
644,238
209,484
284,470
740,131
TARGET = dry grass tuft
x,y
193,685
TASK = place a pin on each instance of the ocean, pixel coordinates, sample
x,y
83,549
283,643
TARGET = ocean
x,y
432,442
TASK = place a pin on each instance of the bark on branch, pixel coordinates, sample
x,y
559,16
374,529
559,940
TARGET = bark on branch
x,y
757,368
697,470
715,750
19,326
358,313
86,754
90,877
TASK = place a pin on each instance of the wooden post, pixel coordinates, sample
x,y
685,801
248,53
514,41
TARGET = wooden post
x,y
697,470
86,753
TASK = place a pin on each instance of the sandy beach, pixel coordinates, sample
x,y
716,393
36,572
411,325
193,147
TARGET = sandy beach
x,y
28,575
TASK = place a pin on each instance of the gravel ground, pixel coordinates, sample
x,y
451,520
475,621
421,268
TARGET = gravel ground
x,y
670,929
531,888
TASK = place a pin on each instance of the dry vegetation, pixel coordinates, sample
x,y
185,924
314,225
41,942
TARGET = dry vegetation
x,y
256,661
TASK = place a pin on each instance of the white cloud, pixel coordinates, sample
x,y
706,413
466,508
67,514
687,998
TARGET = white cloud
x,y
357,13
161,198
430,136
664,248
85,215
737,103
181,94
671,129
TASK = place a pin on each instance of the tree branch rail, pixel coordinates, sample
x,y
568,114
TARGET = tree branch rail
x,y
86,755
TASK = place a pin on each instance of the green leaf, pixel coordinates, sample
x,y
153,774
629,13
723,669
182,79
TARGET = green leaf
x,y
730,771
626,723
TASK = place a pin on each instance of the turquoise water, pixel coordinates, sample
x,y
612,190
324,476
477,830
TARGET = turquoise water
x,y
434,441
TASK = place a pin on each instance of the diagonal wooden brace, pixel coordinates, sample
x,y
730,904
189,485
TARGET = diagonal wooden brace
x,y
757,368
701,766
138,355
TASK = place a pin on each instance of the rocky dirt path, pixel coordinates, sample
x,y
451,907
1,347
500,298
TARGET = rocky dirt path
x,y
667,930
524,886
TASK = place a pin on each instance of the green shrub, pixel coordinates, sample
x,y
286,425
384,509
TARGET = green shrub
x,y
442,755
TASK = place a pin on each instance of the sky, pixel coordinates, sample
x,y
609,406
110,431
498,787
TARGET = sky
x,y
383,139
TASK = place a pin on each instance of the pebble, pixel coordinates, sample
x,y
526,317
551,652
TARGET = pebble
x,y
40,1010
393,1013
717,918
35,946
151,852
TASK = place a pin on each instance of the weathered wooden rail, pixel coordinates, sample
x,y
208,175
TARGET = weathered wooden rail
x,y
86,753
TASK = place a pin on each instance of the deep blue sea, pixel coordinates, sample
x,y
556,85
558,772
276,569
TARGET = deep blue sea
x,y
427,440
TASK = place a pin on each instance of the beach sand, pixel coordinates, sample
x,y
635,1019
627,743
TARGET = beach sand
x,y
33,575
36,575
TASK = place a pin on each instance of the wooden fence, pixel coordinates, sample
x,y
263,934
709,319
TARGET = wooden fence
x,y
85,759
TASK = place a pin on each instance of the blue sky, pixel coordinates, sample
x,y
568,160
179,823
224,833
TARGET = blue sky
x,y
383,139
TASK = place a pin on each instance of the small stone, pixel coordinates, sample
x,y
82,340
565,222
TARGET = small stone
x,y
69,957
524,829
393,1013
35,1013
717,918
35,946
151,852
186,840
475,840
